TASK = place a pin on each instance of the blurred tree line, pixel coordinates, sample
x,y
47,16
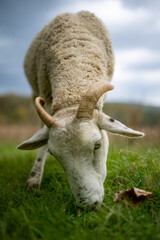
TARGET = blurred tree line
x,y
17,109
134,115
21,110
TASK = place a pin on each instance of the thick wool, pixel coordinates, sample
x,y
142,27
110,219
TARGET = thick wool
x,y
71,53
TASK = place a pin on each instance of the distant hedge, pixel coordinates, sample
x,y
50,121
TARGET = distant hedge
x,y
21,110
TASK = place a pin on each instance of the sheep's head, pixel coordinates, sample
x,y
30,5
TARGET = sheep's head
x,y
77,138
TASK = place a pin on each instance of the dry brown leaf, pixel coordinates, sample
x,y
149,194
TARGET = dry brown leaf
x,y
135,195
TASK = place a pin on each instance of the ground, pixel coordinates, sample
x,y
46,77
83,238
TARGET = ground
x,y
51,212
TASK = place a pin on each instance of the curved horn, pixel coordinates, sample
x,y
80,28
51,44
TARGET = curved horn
x,y
48,120
91,98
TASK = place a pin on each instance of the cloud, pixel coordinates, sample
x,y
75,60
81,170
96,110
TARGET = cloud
x,y
129,66
157,25
11,57
137,56
135,93
113,13
5,42
134,79
144,76
152,101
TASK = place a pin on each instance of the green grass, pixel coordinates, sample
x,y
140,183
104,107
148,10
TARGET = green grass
x,y
51,213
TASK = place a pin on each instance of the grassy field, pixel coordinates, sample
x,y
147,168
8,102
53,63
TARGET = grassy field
x,y
51,213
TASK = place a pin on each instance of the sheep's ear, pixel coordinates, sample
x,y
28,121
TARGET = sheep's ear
x,y
111,125
39,139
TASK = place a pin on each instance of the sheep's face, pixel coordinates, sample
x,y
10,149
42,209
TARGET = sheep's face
x,y
81,148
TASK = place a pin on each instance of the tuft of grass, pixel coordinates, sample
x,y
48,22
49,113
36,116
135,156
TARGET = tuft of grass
x,y
51,212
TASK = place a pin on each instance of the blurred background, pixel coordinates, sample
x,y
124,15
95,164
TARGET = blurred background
x,y
134,27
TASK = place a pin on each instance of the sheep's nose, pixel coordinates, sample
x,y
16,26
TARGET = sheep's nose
x,y
96,205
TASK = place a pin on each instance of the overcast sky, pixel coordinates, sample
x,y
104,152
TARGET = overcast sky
x,y
134,26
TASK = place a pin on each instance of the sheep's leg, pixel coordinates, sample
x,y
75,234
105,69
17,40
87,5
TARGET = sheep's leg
x,y
35,176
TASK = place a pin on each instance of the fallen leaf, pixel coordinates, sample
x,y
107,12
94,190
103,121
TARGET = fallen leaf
x,y
135,195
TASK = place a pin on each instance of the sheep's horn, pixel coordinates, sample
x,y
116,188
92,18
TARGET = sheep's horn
x,y
48,120
91,98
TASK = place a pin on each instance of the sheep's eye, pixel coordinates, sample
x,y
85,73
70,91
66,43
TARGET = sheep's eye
x,y
97,146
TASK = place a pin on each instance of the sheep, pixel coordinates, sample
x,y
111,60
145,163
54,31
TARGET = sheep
x,y
69,65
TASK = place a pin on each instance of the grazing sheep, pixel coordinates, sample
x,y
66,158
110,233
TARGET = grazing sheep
x,y
69,64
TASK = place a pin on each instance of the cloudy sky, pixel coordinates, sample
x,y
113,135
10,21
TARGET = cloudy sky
x,y
134,26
